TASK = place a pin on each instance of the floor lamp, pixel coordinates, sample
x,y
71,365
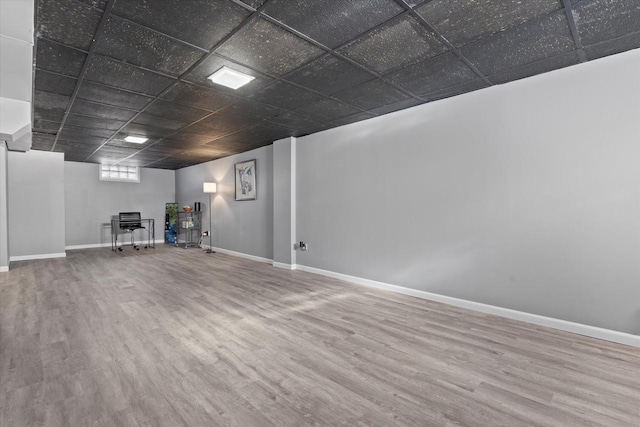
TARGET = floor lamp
x,y
211,188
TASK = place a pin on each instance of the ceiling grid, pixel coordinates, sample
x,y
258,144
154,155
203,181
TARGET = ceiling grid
x,y
108,69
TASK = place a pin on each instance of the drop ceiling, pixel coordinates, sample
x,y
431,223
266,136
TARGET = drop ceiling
x,y
108,69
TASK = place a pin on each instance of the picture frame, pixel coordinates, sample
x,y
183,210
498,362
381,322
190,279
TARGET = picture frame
x,y
245,176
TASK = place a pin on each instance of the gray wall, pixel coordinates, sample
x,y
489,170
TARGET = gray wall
x,y
90,203
245,226
36,203
4,219
524,196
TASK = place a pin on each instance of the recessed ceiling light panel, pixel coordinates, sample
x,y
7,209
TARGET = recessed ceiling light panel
x,y
225,76
136,139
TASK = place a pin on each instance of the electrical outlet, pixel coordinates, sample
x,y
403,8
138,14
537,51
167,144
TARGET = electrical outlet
x,y
302,245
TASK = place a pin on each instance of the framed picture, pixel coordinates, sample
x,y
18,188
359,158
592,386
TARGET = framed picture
x,y
246,180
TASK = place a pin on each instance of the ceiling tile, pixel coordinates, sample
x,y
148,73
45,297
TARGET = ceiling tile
x,y
330,22
171,110
202,23
102,160
83,139
185,137
165,147
45,126
138,129
174,147
329,74
465,21
293,121
133,161
184,159
251,110
107,95
213,63
42,141
394,45
80,149
168,165
371,95
40,113
251,138
458,89
210,152
433,74
88,108
58,58
74,157
121,143
140,46
352,119
253,3
285,96
601,20
407,103
225,122
200,129
198,96
614,46
93,122
520,45
327,110
49,106
146,157
538,67
268,48
74,133
160,122
118,74
100,4
112,151
110,155
54,83
67,22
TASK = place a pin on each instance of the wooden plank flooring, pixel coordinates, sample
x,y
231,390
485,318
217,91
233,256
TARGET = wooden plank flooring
x,y
176,337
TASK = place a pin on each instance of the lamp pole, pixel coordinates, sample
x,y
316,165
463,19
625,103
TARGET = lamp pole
x,y
211,188
210,250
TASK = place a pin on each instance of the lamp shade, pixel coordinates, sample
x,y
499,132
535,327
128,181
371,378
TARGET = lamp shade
x,y
210,187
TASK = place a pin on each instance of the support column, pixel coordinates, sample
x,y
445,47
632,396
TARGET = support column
x,y
284,203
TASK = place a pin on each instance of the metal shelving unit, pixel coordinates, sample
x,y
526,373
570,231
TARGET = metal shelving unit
x,y
189,229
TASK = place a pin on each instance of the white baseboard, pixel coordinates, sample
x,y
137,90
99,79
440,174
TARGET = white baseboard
x,y
239,254
284,265
100,245
550,322
90,246
37,256
4,268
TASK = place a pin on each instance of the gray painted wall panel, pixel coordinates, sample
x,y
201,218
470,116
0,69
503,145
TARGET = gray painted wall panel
x,y
245,226
90,202
4,214
524,196
36,203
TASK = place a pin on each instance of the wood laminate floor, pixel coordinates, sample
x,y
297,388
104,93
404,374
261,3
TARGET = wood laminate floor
x,y
174,337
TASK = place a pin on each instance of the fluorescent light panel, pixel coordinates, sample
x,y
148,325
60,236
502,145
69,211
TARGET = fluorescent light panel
x,y
225,76
136,139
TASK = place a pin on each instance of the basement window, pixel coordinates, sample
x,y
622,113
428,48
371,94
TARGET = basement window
x,y
119,173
